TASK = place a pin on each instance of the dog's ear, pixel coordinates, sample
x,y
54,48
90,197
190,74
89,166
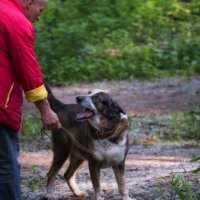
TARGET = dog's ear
x,y
108,107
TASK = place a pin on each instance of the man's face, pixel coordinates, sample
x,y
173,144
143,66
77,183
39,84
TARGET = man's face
x,y
34,9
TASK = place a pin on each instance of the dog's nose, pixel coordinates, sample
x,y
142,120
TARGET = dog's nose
x,y
79,99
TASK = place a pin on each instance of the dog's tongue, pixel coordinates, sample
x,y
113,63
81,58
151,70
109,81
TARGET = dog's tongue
x,y
84,115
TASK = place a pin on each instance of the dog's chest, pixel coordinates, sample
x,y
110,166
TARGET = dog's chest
x,y
108,152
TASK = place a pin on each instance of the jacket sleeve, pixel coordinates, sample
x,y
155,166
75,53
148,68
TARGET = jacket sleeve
x,y
21,51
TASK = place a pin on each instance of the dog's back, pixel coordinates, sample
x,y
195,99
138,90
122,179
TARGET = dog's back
x,y
66,112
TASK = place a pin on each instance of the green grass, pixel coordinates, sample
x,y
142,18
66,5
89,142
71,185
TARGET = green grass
x,y
179,127
182,188
31,127
178,187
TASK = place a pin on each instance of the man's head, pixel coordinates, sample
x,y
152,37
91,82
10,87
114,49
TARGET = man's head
x,y
33,8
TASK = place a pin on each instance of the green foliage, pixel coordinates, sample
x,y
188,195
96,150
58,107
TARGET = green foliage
x,y
177,127
34,184
161,192
195,171
118,39
35,181
182,188
177,118
31,126
187,125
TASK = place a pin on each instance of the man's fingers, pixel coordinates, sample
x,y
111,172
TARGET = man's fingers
x,y
59,125
45,127
52,127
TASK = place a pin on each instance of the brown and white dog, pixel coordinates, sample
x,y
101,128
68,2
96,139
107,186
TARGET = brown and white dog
x,y
99,125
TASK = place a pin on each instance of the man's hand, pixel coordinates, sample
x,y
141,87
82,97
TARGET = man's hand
x,y
48,116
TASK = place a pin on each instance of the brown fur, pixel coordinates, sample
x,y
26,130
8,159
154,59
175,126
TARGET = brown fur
x,y
64,147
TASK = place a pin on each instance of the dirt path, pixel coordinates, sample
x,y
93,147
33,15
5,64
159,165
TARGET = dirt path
x,y
149,169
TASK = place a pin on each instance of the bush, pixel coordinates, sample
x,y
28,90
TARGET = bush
x,y
187,125
118,39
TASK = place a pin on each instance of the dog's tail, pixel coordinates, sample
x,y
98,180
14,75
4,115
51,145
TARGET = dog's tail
x,y
55,104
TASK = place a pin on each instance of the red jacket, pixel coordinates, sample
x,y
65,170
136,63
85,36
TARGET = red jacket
x,y
19,69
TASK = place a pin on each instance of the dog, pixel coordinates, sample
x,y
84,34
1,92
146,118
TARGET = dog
x,y
95,129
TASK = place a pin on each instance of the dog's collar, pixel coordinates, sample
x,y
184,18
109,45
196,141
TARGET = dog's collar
x,y
103,134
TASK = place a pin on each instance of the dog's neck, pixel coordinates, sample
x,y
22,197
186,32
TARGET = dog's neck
x,y
103,134
95,122
99,133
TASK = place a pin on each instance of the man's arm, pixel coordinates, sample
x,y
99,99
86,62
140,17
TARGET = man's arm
x,y
49,118
27,70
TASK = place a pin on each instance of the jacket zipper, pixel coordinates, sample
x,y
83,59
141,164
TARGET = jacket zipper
x,y
8,96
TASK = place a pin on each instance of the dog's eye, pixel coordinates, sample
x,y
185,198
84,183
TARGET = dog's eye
x,y
103,100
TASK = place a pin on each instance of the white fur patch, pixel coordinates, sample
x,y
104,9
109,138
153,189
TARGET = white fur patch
x,y
109,152
95,122
123,116
95,92
92,105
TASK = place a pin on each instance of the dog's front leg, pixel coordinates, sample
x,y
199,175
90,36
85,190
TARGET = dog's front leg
x,y
95,177
119,174
70,175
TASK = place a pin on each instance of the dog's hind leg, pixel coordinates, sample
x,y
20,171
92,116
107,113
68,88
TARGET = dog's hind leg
x,y
70,175
119,174
60,156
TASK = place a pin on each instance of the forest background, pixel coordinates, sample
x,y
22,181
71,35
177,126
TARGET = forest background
x,y
84,40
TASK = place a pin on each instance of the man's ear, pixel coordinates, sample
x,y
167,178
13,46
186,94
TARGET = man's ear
x,y
29,3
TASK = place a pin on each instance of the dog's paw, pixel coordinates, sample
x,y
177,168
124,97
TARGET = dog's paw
x,y
128,198
100,197
80,194
44,198
47,197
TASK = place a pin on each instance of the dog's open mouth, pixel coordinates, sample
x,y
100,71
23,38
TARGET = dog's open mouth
x,y
85,114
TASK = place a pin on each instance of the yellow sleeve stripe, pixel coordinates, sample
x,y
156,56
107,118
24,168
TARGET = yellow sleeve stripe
x,y
9,93
36,94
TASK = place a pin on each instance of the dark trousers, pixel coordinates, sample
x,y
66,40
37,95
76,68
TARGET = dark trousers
x,y
9,165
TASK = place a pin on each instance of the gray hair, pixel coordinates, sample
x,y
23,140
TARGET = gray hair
x,y
35,1
38,1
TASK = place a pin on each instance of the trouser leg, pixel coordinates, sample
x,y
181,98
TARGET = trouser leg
x,y
9,165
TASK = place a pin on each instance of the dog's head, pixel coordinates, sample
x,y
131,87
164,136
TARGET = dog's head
x,y
101,110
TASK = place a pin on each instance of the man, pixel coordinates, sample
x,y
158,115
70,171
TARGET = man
x,y
19,70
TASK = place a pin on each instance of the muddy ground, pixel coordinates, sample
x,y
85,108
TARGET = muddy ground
x,y
150,168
